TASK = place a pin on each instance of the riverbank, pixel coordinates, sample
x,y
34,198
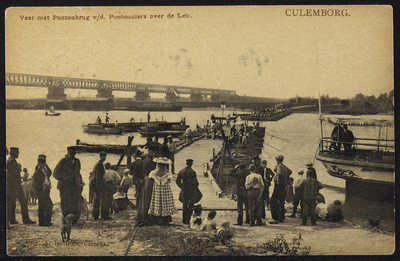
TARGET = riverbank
x,y
119,237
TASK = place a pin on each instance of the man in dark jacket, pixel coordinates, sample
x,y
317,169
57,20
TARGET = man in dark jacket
x,y
309,190
41,184
240,173
100,201
279,195
267,176
136,170
70,184
187,182
14,189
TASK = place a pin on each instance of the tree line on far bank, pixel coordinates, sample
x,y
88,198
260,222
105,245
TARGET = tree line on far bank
x,y
360,103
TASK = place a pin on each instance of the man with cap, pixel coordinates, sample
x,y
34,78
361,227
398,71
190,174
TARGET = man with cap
x,y
70,184
187,182
268,175
260,170
297,195
14,189
279,195
255,187
310,167
41,184
240,173
100,200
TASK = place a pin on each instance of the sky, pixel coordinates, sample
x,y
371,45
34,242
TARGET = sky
x,y
253,50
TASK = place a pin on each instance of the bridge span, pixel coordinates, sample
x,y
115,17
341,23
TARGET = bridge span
x,y
56,86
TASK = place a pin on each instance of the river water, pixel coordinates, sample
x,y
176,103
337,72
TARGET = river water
x,y
296,137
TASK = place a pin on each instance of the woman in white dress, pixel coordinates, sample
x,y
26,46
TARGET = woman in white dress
x,y
162,205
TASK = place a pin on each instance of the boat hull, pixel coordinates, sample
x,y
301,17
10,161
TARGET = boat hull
x,y
100,129
273,117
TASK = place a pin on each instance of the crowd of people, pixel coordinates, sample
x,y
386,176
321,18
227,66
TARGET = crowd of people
x,y
152,174
252,193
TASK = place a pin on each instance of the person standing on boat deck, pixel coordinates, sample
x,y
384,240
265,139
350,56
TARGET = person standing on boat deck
x,y
100,201
41,184
268,175
260,170
297,195
67,172
148,117
172,150
136,171
309,190
14,189
148,165
98,120
255,188
240,173
162,205
187,182
337,135
107,118
132,120
348,137
279,195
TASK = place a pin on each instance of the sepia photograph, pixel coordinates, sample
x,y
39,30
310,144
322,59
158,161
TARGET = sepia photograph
x,y
200,131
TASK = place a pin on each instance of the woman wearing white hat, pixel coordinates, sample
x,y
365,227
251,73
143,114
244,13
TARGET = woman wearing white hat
x,y
162,202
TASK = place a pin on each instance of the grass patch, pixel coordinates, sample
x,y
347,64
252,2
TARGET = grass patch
x,y
280,246
172,242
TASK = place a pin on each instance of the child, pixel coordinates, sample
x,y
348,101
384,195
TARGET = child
x,y
126,182
25,175
334,214
196,220
209,225
289,194
119,201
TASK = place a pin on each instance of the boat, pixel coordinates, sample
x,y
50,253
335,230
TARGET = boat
x,y
52,112
234,152
102,128
96,148
162,133
266,117
163,126
368,167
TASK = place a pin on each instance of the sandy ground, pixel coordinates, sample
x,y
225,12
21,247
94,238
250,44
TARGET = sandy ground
x,y
110,238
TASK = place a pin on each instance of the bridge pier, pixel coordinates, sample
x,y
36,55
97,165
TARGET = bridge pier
x,y
171,97
56,93
104,94
142,96
196,97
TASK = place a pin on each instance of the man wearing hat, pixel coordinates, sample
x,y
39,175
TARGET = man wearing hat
x,y
240,173
41,184
14,189
100,200
268,175
310,167
297,194
279,195
187,182
70,184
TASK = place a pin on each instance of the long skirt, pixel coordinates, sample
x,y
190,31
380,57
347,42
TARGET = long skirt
x,y
144,202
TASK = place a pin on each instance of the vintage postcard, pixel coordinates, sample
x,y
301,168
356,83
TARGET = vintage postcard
x,y
200,130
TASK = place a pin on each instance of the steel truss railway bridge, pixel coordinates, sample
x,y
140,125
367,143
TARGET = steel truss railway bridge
x,y
56,86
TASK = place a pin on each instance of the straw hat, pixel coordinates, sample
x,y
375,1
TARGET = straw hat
x,y
162,160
